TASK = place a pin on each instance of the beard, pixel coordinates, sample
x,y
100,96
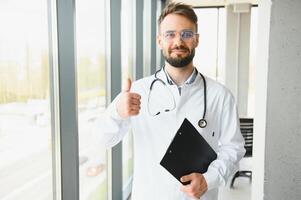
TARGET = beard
x,y
180,62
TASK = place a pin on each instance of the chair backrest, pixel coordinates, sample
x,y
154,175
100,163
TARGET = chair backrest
x,y
246,128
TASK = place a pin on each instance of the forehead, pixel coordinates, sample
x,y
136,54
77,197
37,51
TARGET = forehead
x,y
176,22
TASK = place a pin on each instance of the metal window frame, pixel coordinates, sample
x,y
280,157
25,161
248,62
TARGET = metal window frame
x,y
139,40
115,60
54,99
63,89
153,36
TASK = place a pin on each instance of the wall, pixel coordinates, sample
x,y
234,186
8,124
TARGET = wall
x,y
261,73
237,56
278,123
283,133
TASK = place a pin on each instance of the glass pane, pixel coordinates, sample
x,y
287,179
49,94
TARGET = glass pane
x,y
206,53
25,130
127,26
91,76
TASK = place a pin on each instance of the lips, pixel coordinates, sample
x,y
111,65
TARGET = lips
x,y
179,50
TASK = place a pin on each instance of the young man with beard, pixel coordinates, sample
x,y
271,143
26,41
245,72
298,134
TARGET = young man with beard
x,y
154,130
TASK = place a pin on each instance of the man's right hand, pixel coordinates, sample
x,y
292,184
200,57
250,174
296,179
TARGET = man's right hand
x,y
128,104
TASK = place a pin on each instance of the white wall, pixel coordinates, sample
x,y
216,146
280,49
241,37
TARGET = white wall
x,y
237,56
261,72
278,97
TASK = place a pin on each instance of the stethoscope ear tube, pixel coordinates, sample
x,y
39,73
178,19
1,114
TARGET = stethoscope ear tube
x,y
202,122
150,90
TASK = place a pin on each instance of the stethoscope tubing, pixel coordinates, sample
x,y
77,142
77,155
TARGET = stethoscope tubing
x,y
202,122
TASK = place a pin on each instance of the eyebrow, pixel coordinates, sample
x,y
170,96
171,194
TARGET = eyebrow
x,y
179,31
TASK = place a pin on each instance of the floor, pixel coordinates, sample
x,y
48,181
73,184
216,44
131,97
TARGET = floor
x,y
241,190
242,185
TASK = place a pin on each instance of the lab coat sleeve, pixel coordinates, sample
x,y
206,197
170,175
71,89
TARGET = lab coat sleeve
x,y
110,128
230,149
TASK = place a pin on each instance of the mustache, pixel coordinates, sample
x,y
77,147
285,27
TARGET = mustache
x,y
180,48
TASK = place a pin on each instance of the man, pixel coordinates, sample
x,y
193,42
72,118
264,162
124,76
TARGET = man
x,y
153,131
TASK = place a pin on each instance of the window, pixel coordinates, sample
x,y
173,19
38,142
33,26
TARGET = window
x,y
25,130
127,29
210,54
91,83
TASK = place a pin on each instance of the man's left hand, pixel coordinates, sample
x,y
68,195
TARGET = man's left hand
x,y
197,186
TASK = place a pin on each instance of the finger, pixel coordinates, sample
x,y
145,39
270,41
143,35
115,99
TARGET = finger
x,y
187,178
126,87
135,108
132,102
134,112
135,102
135,96
186,189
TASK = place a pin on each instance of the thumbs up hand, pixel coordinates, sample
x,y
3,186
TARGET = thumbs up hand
x,y
128,104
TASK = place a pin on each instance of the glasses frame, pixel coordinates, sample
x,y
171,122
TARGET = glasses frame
x,y
180,33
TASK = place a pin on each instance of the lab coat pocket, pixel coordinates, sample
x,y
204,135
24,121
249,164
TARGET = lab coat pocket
x,y
210,135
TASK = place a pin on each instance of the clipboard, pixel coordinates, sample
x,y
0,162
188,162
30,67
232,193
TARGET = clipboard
x,y
188,152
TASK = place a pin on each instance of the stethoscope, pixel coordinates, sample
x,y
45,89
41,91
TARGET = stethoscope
x,y
202,122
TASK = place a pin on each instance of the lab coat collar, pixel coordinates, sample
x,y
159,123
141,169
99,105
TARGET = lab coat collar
x,y
164,76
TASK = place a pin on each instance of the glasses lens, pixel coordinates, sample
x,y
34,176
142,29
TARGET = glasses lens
x,y
186,34
169,35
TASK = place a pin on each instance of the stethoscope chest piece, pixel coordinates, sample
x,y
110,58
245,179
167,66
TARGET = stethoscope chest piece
x,y
202,123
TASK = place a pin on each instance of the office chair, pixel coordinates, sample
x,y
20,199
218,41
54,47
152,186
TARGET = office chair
x,y
246,127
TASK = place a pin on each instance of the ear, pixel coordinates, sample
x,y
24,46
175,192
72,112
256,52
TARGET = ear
x,y
197,40
159,42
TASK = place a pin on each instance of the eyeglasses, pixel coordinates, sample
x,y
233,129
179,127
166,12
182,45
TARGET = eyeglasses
x,y
184,35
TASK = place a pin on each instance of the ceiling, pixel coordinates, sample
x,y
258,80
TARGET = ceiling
x,y
205,3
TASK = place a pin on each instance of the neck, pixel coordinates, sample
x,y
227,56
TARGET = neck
x,y
179,75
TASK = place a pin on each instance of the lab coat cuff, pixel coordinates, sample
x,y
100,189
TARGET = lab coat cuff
x,y
211,178
112,110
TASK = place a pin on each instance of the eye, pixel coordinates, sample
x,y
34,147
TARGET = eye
x,y
169,35
187,34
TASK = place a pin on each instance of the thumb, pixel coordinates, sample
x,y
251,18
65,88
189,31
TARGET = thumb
x,y
127,85
186,178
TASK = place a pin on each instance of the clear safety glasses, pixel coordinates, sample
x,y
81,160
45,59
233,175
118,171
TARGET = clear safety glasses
x,y
184,35
160,98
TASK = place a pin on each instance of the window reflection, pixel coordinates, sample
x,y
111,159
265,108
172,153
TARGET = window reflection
x,y
25,134
127,29
90,34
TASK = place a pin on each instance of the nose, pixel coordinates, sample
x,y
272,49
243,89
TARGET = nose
x,y
178,40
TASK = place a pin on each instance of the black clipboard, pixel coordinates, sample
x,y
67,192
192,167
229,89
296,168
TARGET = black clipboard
x,y
188,152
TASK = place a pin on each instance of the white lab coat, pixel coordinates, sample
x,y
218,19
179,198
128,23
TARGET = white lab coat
x,y
152,135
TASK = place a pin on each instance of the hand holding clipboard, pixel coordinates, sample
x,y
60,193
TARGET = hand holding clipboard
x,y
188,152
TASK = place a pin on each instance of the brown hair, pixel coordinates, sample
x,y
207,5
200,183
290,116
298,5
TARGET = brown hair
x,y
179,9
